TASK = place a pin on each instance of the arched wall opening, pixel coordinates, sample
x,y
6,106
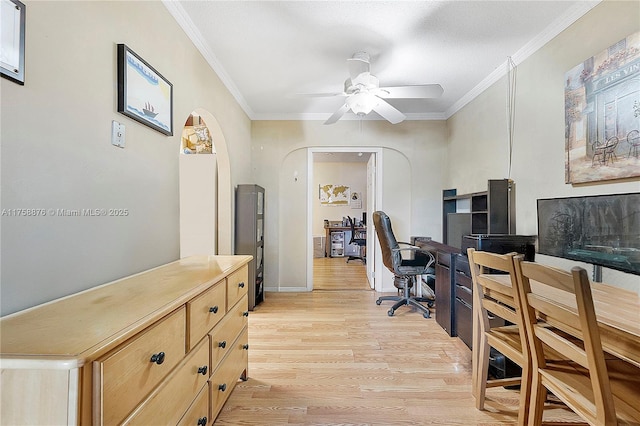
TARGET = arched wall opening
x,y
205,187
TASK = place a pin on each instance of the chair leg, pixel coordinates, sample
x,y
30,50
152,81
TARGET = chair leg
x,y
525,394
383,298
406,299
481,375
425,311
538,397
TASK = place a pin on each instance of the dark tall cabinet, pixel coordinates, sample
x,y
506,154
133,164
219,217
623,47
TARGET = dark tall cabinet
x,y
250,237
488,212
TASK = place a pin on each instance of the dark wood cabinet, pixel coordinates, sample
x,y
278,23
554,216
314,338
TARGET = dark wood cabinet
x,y
444,285
445,295
250,237
488,212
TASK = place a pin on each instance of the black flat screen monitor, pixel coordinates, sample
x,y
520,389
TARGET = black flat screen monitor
x,y
602,230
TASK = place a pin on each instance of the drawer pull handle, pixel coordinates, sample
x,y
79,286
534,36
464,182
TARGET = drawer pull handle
x,y
213,309
241,284
222,387
202,421
158,358
245,314
245,347
222,344
203,370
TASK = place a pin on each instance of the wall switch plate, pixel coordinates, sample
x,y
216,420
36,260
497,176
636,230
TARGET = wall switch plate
x,y
117,134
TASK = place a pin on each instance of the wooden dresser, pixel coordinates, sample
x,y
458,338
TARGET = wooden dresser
x,y
165,346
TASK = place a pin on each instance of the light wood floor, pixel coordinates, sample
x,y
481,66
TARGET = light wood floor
x,y
336,358
334,273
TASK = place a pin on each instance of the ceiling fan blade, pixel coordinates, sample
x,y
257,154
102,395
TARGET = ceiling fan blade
x,y
338,114
388,112
411,92
320,95
358,64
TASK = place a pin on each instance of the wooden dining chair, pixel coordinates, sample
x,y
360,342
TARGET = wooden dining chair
x,y
602,390
491,299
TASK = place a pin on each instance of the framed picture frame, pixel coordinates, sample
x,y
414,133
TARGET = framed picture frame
x,y
13,21
143,93
602,115
334,195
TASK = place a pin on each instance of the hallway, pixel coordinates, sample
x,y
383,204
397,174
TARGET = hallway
x,y
334,273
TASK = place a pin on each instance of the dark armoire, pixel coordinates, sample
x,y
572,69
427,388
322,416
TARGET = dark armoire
x,y
249,237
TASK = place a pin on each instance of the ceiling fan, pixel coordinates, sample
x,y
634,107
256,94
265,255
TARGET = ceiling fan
x,y
364,94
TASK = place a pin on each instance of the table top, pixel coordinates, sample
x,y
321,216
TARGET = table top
x,y
617,312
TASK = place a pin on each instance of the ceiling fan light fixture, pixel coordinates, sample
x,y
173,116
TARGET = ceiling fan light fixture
x,y
362,103
364,94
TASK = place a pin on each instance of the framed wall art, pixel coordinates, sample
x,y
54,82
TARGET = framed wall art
x,y
602,115
143,93
12,22
334,195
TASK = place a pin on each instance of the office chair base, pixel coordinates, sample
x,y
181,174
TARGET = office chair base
x,y
364,261
411,301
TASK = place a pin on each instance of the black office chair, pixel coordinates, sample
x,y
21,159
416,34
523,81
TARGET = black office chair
x,y
405,270
360,242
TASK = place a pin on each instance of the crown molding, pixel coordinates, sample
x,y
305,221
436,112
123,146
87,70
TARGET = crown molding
x,y
556,27
180,15
535,44
308,116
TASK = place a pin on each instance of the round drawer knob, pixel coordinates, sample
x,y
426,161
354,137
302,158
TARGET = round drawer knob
x,y
222,387
213,309
203,370
158,358
245,347
241,285
245,314
222,344
202,421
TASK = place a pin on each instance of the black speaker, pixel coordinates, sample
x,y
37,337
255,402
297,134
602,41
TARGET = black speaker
x,y
364,218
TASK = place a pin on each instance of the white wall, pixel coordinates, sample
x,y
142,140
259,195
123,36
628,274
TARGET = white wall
x,y
198,204
478,136
56,151
354,175
412,174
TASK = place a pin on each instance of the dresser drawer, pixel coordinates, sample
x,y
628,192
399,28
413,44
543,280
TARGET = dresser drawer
x,y
224,379
172,398
204,312
198,413
126,375
227,331
237,285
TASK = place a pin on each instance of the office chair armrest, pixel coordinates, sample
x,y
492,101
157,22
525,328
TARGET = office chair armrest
x,y
415,250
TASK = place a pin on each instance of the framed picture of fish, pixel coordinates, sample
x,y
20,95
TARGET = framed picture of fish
x,y
143,93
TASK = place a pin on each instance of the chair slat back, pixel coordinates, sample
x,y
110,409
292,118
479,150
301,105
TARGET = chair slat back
x,y
547,321
498,299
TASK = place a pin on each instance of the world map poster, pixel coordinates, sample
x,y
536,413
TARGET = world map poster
x,y
334,195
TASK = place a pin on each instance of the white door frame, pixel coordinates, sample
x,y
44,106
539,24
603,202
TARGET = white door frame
x,y
312,191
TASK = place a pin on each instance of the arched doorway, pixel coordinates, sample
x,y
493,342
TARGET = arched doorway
x,y
205,187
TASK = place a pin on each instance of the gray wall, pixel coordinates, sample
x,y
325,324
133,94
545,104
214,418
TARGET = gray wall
x,y
412,173
56,151
478,145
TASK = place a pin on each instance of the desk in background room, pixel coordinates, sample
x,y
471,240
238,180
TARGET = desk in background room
x,y
342,235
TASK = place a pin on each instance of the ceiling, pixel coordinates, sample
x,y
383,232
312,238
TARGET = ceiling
x,y
268,52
